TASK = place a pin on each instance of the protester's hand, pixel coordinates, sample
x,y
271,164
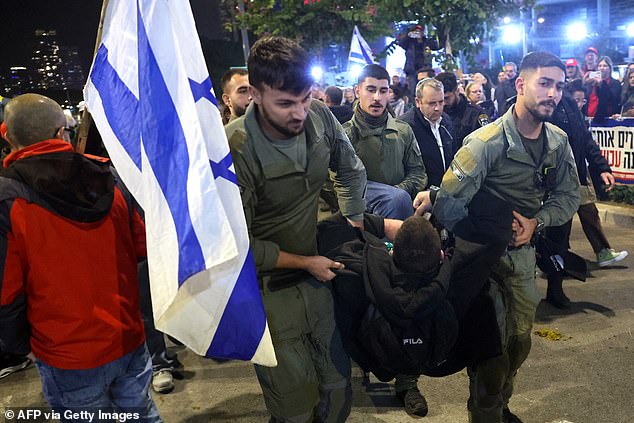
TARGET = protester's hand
x,y
422,203
608,179
31,357
356,223
524,229
320,267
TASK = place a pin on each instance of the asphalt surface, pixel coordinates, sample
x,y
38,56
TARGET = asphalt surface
x,y
585,377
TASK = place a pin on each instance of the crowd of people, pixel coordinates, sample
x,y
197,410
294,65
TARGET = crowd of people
x,y
382,154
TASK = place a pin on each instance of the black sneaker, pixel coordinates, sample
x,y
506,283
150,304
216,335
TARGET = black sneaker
x,y
10,363
558,299
414,402
508,417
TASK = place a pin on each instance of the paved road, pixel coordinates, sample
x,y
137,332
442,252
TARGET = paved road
x,y
587,377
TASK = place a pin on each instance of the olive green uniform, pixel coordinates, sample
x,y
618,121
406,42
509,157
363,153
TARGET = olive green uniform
x,y
280,198
494,159
390,153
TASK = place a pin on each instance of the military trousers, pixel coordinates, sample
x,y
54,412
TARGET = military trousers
x,y
491,381
312,379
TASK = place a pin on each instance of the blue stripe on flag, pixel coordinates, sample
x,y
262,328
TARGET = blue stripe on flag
x,y
355,55
166,148
367,57
221,169
242,324
120,105
203,90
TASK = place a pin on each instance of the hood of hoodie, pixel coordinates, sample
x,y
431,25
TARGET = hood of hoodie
x,y
72,185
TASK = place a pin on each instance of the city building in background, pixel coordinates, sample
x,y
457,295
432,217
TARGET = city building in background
x,y
53,69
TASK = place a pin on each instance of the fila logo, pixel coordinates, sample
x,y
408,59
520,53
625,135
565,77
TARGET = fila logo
x,y
412,341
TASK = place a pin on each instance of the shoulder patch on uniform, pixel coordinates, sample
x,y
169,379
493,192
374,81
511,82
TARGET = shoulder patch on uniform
x,y
488,132
483,119
457,172
464,163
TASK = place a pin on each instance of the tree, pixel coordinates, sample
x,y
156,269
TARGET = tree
x,y
315,23
462,25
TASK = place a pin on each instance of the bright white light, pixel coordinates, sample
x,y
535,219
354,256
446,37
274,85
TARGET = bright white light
x,y
511,34
317,72
355,71
540,20
629,30
506,20
576,31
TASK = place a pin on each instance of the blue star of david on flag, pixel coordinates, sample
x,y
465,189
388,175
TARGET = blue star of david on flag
x,y
152,99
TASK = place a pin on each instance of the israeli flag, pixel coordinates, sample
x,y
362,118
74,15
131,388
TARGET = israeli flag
x,y
151,98
360,52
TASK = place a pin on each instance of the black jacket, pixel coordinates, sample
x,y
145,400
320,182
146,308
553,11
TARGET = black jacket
x,y
376,304
489,108
390,322
503,92
568,117
343,113
609,95
465,118
428,145
415,56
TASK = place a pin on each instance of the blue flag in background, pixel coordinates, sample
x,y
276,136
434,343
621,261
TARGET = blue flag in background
x,y
151,97
360,51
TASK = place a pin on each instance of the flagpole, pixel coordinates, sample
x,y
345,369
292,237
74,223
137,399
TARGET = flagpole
x,y
86,118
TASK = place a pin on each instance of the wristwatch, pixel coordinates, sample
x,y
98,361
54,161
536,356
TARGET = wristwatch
x,y
540,225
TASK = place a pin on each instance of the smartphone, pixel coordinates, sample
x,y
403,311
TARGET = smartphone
x,y
594,75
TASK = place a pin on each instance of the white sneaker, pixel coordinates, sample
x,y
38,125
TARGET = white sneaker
x,y
608,256
10,363
163,381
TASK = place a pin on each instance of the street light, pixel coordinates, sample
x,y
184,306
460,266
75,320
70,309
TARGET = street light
x,y
577,31
317,72
511,34
355,71
629,30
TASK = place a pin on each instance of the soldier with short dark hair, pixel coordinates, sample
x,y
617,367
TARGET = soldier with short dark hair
x,y
527,162
284,148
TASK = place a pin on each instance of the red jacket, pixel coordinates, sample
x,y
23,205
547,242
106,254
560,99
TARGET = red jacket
x,y
69,245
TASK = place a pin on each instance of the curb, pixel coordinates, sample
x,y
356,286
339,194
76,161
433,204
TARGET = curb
x,y
615,215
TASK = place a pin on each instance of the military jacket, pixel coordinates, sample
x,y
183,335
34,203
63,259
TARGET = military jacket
x,y
390,154
280,197
494,159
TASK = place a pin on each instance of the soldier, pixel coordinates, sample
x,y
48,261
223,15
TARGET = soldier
x,y
235,93
386,146
527,162
283,149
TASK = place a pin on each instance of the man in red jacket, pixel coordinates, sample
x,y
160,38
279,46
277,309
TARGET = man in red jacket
x,y
69,244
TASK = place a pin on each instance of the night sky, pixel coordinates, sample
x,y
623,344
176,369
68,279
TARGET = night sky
x,y
76,23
